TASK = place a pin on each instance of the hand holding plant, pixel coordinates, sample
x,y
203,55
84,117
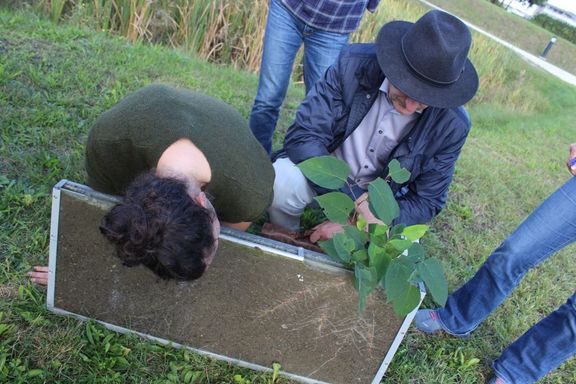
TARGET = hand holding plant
x,y
369,243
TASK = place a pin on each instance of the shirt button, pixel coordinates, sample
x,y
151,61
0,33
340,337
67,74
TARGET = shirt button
x,y
371,149
367,96
380,131
366,167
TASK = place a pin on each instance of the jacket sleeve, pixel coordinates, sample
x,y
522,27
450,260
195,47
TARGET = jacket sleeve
x,y
311,133
425,196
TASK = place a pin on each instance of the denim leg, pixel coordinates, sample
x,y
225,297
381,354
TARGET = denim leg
x,y
282,39
321,49
546,230
542,348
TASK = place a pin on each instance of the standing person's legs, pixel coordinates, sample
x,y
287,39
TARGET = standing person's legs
x,y
282,39
542,348
321,49
547,229
291,195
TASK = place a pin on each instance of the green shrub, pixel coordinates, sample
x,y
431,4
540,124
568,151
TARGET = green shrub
x,y
557,27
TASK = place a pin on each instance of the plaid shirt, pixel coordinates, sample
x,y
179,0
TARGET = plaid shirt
x,y
340,16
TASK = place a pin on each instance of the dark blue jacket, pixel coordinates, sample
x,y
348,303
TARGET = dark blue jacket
x,y
334,108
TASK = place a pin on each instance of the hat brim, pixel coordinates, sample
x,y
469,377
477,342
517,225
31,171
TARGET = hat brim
x,y
392,63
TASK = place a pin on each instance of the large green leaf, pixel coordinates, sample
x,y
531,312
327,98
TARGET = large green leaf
x,y
416,252
378,234
397,230
329,248
397,173
400,245
382,201
337,206
360,256
414,232
365,283
431,271
397,278
378,229
359,237
409,300
326,171
392,251
344,247
379,259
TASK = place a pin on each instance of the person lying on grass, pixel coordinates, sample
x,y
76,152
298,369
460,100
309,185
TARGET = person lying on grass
x,y
549,228
165,150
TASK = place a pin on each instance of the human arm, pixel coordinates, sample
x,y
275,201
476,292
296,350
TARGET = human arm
x,y
571,162
424,196
328,229
243,226
311,134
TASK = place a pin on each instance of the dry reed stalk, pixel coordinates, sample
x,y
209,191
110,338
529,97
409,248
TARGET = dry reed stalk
x,y
253,43
181,36
139,20
101,11
232,32
217,32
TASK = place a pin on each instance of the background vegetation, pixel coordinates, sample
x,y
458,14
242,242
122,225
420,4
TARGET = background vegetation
x,y
230,32
557,27
56,79
513,29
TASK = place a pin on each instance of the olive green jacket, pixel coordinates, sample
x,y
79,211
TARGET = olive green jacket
x,y
129,139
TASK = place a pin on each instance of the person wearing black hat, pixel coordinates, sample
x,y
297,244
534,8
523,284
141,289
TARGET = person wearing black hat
x,y
399,98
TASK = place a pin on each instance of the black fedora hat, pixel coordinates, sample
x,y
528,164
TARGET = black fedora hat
x,y
427,60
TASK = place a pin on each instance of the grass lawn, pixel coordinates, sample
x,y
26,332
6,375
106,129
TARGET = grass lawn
x,y
55,80
513,29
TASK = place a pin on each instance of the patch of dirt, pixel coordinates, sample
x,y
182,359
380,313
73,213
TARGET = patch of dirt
x,y
8,291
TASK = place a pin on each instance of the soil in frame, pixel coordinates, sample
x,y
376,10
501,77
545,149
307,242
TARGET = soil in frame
x,y
249,305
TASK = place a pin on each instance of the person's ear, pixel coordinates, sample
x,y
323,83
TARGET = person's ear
x,y
201,199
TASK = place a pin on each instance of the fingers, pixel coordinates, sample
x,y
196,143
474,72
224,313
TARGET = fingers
x,y
571,162
325,231
39,275
319,230
315,236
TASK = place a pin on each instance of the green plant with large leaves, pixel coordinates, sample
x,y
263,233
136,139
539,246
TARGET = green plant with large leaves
x,y
378,253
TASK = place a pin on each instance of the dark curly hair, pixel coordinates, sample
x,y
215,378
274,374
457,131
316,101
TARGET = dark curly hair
x,y
160,226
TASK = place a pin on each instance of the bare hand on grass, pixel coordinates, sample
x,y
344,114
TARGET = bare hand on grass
x,y
39,275
571,162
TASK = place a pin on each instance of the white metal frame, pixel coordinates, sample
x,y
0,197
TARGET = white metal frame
x,y
296,253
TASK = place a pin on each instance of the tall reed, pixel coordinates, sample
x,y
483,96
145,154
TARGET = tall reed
x,y
232,31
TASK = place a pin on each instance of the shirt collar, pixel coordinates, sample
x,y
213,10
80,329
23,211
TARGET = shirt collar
x,y
384,87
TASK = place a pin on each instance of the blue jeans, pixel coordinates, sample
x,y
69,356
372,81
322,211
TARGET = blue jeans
x,y
551,227
284,35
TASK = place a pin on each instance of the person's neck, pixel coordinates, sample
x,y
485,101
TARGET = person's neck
x,y
183,160
193,185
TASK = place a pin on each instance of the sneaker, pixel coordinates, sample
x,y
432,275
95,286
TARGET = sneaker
x,y
427,321
496,380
